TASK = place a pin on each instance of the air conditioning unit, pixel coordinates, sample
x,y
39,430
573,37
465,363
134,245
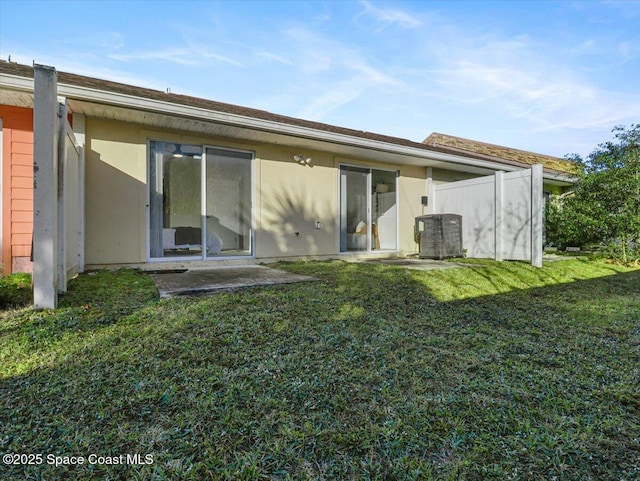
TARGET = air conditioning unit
x,y
439,235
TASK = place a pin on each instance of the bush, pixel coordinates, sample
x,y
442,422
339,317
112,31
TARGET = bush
x,y
604,205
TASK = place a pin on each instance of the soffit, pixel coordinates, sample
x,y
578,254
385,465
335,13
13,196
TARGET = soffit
x,y
255,136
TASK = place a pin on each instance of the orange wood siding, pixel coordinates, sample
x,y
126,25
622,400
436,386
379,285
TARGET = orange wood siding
x,y
17,185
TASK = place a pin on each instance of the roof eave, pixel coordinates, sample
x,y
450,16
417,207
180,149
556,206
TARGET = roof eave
x,y
169,108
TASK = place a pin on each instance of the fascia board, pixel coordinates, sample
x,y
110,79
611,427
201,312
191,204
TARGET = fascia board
x,y
123,100
16,83
131,101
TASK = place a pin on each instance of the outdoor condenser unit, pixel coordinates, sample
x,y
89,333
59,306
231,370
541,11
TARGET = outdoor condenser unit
x,y
439,235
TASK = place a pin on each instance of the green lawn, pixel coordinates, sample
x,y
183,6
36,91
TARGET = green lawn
x,y
496,371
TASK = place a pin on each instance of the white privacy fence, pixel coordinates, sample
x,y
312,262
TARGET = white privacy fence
x,y
70,206
501,213
58,193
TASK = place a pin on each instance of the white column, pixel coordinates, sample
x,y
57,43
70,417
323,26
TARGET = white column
x,y
499,225
45,188
536,215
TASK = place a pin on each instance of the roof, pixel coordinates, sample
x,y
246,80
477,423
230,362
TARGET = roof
x,y
25,71
498,153
109,86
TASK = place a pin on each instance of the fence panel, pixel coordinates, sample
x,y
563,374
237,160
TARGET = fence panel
x,y
500,213
72,204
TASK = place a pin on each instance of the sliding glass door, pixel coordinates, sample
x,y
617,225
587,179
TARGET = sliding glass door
x,y
199,202
368,213
174,201
384,214
354,209
228,202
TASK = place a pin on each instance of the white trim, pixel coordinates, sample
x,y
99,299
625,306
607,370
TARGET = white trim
x,y
147,217
16,83
170,108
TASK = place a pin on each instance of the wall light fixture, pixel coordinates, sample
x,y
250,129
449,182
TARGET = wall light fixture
x,y
302,159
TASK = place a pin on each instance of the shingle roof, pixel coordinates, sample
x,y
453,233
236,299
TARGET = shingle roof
x,y
109,86
66,78
497,153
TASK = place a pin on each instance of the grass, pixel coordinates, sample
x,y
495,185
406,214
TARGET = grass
x,y
15,291
494,371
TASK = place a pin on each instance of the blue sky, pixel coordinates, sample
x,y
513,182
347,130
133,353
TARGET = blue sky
x,y
550,77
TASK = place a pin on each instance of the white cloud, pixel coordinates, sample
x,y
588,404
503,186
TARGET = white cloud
x,y
627,9
390,16
181,56
275,58
221,58
335,97
474,72
546,100
175,55
101,41
371,75
331,74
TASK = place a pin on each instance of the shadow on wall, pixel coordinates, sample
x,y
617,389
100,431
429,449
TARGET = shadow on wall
x,y
295,223
114,213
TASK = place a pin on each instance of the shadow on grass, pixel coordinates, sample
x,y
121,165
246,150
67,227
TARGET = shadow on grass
x,y
377,372
15,291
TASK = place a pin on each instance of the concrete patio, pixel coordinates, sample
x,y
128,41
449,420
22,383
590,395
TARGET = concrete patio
x,y
191,282
203,280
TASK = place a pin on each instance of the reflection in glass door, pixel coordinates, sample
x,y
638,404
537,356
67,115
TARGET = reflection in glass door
x,y
368,213
384,217
228,202
198,208
174,200
354,209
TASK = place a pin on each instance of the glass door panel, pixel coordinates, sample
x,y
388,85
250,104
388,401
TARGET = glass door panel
x,y
384,218
354,209
228,202
368,210
175,221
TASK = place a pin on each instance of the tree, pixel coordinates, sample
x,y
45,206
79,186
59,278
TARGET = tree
x,y
604,205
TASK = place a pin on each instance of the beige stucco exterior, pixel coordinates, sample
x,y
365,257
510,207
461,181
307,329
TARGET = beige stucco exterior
x,y
289,198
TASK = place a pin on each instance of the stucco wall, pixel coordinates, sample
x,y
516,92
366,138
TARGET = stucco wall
x,y
412,186
288,198
115,157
